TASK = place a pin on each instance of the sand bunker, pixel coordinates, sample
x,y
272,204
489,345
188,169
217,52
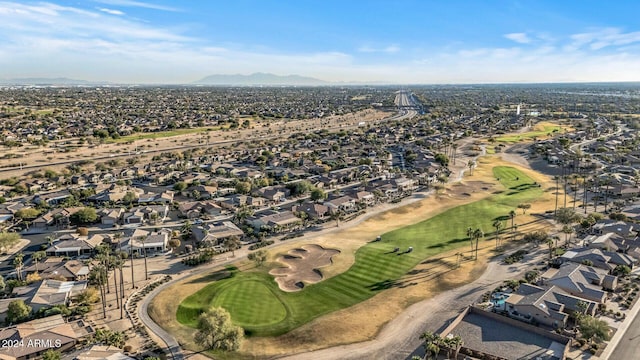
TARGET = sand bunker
x,y
302,266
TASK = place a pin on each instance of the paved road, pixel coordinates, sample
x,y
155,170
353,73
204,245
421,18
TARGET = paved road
x,y
629,345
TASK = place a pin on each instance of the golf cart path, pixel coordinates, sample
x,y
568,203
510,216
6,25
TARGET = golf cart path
x,y
399,338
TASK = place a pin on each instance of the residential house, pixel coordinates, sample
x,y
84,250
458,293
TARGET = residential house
x,y
364,198
110,216
52,199
403,184
602,259
275,221
73,245
57,268
42,334
274,194
196,209
586,282
148,213
51,292
142,241
101,352
216,234
345,204
312,209
550,305
56,217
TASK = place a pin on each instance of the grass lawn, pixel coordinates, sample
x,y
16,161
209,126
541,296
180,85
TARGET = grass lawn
x,y
540,131
257,304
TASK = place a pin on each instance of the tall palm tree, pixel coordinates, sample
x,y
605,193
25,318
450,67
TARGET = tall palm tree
x,y
549,242
37,256
103,256
498,226
512,215
18,263
96,277
557,178
471,164
470,236
142,240
477,235
133,281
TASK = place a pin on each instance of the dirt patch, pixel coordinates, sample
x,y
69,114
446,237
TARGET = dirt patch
x,y
302,266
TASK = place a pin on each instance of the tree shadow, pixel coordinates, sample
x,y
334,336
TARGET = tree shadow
x,y
214,276
383,285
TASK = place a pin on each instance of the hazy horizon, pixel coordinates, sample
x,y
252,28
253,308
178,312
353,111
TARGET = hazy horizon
x,y
376,42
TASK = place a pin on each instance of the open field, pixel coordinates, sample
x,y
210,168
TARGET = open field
x,y
541,131
175,140
163,134
377,266
362,321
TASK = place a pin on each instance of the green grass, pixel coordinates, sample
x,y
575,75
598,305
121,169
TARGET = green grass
x,y
161,134
529,135
249,294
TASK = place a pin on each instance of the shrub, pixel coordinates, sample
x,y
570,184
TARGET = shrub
x,y
261,244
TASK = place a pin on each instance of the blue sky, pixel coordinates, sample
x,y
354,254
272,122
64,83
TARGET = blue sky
x,y
154,41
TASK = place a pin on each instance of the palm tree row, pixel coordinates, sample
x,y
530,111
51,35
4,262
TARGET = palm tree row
x,y
433,344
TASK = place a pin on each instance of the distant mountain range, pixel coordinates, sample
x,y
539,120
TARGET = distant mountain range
x,y
260,79
50,81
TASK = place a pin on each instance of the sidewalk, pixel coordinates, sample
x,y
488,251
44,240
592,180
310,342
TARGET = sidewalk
x,y
613,343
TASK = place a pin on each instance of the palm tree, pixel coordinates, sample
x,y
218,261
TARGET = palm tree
x,y
37,256
142,240
96,277
592,328
133,281
431,344
512,215
567,230
470,236
497,225
471,164
453,344
103,256
557,178
566,217
477,235
549,242
232,243
17,263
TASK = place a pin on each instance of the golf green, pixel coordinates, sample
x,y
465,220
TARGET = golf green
x,y
257,304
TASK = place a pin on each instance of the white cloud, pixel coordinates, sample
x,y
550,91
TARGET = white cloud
x,y
111,11
520,38
49,40
371,49
140,4
602,38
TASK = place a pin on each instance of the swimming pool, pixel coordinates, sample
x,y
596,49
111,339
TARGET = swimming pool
x,y
499,298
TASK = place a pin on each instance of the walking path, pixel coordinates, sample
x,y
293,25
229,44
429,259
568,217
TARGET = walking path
x,y
400,337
